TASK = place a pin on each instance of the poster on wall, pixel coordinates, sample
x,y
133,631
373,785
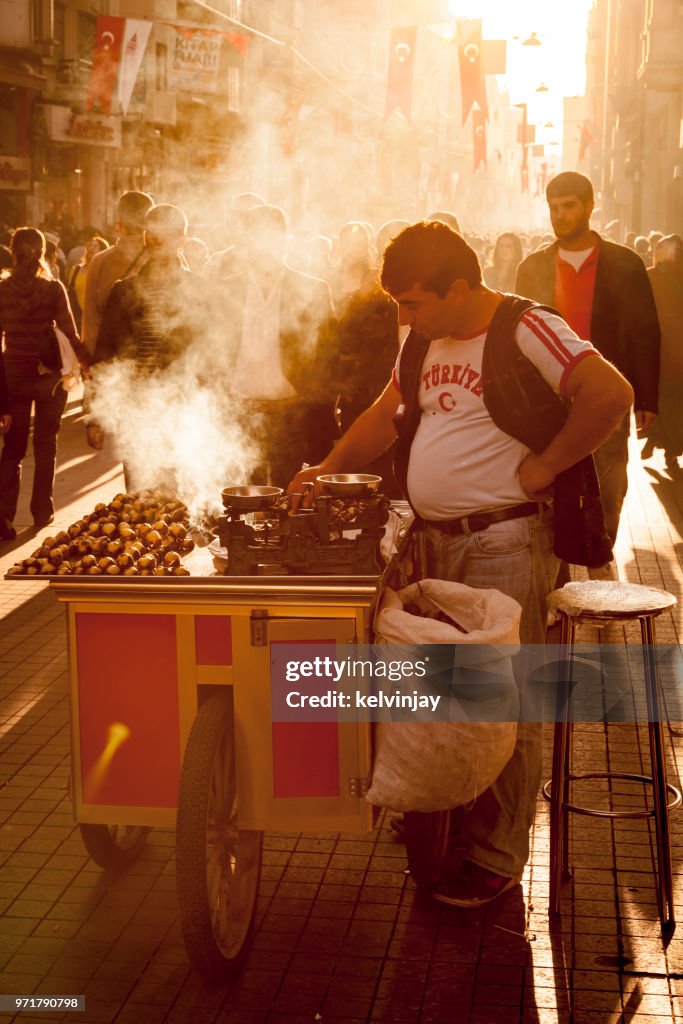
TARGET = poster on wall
x,y
196,56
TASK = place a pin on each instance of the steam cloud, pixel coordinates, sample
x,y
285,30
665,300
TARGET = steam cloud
x,y
174,431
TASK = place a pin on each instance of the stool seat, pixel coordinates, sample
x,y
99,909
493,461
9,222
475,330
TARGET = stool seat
x,y
602,601
607,599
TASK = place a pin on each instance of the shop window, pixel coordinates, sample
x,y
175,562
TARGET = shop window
x,y
86,31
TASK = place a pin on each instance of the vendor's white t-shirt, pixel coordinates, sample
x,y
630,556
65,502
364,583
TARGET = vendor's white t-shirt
x,y
460,461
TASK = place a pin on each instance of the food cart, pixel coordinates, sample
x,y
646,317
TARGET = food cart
x,y
170,683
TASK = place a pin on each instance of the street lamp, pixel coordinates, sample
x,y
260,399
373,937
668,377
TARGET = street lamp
x,y
533,40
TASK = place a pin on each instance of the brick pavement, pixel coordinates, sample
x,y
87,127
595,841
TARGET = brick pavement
x,y
342,935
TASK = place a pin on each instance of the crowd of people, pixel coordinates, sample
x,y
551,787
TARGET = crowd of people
x,y
336,350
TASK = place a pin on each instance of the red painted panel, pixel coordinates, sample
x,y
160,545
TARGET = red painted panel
x,y
128,706
305,753
305,759
213,639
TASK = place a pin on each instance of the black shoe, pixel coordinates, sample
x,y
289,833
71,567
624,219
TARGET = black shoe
x,y
471,887
7,531
40,521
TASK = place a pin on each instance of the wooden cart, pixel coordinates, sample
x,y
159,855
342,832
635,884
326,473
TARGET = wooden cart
x,y
170,684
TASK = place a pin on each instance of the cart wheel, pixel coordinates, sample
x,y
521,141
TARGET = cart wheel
x,y
426,845
217,864
114,847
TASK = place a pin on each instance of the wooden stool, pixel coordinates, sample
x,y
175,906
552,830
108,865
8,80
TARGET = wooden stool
x,y
599,603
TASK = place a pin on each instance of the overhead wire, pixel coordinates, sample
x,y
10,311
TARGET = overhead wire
x,y
292,49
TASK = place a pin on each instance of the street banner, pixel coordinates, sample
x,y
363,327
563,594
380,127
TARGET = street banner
x,y
135,37
400,71
196,56
472,81
479,135
105,66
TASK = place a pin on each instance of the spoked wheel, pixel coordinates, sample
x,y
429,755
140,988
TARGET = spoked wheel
x,y
114,847
217,864
426,845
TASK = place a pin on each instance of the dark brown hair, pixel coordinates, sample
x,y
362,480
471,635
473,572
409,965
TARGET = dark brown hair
x,y
28,252
570,183
432,255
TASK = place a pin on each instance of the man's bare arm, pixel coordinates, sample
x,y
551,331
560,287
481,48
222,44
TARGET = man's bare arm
x,y
366,439
601,397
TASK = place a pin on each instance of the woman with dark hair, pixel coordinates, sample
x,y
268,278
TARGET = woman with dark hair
x,y
30,305
507,256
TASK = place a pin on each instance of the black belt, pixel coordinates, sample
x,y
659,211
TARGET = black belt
x,y
479,521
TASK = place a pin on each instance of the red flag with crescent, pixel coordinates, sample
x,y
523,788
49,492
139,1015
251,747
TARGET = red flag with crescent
x,y
472,81
400,72
106,60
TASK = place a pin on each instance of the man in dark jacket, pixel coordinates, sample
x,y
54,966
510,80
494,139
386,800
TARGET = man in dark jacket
x,y
602,291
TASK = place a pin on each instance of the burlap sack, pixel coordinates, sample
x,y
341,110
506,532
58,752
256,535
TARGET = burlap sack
x,y
436,765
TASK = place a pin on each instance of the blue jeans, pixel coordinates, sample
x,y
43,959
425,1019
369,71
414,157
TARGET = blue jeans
x,y
516,558
48,398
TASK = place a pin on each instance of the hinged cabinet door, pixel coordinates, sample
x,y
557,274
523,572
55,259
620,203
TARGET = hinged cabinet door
x,y
296,775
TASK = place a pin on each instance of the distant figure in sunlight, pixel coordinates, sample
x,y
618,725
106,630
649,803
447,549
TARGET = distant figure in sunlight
x,y
666,278
152,317
228,261
277,359
196,253
30,303
501,273
78,276
354,261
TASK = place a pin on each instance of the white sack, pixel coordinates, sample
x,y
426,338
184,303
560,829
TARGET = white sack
x,y
436,765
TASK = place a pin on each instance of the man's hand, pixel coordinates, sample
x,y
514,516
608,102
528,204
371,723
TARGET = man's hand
x,y
644,420
535,477
303,487
94,436
5,422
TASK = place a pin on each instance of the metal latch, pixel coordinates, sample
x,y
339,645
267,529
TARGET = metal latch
x,y
358,787
258,624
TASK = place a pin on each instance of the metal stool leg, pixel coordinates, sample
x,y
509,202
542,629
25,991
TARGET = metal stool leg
x,y
559,790
658,763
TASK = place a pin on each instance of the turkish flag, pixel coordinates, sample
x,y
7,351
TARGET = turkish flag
x,y
472,81
105,66
400,72
479,135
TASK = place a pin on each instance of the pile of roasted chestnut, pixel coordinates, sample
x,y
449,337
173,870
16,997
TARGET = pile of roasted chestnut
x,y
134,535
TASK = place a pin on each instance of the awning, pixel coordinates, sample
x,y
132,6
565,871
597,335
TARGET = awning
x,y
20,71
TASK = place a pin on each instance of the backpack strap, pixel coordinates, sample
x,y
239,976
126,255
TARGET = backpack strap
x,y
518,398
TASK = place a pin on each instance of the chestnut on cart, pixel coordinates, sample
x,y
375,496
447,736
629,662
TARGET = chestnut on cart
x,y
171,687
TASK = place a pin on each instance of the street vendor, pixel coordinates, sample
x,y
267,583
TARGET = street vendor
x,y
480,494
